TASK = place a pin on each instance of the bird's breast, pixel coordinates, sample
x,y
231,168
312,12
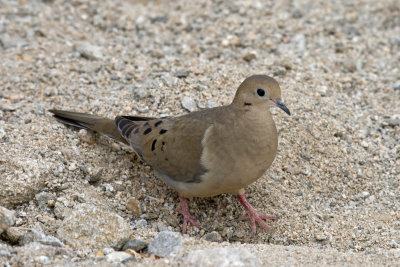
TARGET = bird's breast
x,y
235,155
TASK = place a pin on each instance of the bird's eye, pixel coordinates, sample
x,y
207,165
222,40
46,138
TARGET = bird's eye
x,y
260,92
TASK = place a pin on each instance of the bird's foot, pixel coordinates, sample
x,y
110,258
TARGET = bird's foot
x,y
253,215
187,217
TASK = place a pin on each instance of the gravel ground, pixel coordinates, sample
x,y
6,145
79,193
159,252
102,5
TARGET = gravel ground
x,y
335,182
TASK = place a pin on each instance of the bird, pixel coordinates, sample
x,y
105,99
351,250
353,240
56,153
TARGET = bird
x,y
205,153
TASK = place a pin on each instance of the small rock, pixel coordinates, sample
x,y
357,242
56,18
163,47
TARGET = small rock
x,y
300,41
365,194
188,103
141,93
60,210
43,260
212,237
88,226
249,56
89,51
36,235
13,234
181,73
364,144
165,243
210,104
221,257
7,219
135,244
161,227
42,199
119,257
107,251
95,176
321,237
85,136
141,223
4,253
2,132
133,206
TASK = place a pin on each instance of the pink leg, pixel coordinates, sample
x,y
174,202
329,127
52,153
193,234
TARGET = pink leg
x,y
253,215
186,214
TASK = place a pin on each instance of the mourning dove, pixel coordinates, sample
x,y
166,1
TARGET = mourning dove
x,y
204,153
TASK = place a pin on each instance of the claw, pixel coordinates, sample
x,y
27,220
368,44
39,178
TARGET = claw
x,y
253,216
187,217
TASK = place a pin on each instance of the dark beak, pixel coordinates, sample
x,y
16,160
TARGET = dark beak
x,y
281,105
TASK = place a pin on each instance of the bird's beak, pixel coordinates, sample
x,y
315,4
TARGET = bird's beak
x,y
279,103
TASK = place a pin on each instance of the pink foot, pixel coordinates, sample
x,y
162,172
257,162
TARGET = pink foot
x,y
253,215
186,215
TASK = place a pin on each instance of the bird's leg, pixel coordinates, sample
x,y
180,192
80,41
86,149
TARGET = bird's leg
x,y
186,214
253,215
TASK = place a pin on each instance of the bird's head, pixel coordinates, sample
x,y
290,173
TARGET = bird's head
x,y
259,90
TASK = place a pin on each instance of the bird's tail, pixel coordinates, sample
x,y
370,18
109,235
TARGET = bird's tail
x,y
95,123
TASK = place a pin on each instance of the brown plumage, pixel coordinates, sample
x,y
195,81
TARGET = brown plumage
x,y
204,153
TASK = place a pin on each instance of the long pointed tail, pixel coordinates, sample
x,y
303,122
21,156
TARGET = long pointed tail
x,y
91,122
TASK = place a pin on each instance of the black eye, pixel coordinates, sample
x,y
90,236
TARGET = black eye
x,y
260,92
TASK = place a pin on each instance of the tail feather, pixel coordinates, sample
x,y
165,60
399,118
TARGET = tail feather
x,y
91,122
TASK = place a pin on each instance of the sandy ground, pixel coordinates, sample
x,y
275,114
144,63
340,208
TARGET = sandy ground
x,y
336,180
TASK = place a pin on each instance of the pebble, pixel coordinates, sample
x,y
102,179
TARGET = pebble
x,y
4,253
221,257
44,260
188,103
107,251
321,237
165,243
95,176
2,132
249,56
135,244
141,93
7,219
43,198
133,206
36,235
14,234
91,227
212,237
119,257
85,136
181,73
89,51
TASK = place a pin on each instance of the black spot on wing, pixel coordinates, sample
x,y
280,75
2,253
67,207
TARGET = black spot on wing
x,y
125,126
162,147
147,131
127,130
157,123
163,131
153,145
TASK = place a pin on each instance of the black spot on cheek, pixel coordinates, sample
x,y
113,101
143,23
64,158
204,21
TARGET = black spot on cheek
x,y
162,131
157,123
153,145
247,104
147,131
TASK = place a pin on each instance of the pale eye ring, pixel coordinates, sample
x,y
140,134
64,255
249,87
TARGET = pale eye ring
x,y
260,92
